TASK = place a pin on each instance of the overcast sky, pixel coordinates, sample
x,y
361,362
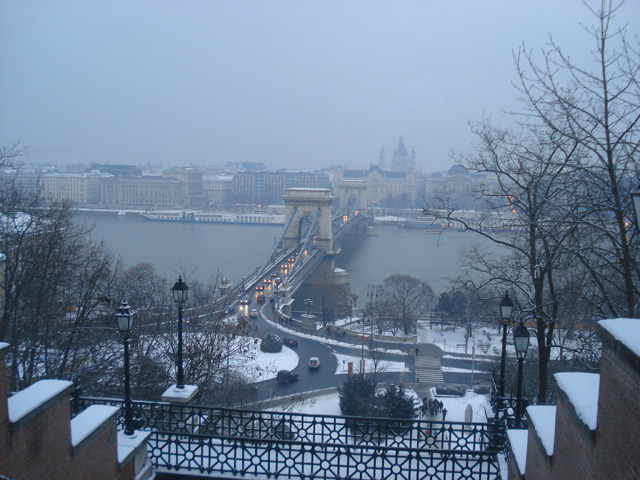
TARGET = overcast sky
x,y
293,84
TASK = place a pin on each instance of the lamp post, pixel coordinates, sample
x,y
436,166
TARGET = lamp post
x,y
180,290
124,318
371,292
506,309
521,342
635,197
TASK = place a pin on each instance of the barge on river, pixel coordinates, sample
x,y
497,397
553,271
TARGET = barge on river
x,y
211,217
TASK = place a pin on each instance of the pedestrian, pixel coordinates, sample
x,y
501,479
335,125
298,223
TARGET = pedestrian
x,y
440,405
444,414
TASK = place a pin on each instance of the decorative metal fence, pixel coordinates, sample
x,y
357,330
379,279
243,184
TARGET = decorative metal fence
x,y
221,441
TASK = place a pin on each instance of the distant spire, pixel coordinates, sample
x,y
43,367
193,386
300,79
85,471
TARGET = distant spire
x,y
401,151
412,159
381,162
400,159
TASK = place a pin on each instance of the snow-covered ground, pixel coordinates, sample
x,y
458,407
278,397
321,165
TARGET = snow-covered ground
x,y
266,365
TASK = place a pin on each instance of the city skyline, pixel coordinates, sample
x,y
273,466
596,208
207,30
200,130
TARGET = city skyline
x,y
293,85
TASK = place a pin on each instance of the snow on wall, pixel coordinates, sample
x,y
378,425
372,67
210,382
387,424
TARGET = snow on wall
x,y
625,330
518,440
582,391
543,419
89,420
29,399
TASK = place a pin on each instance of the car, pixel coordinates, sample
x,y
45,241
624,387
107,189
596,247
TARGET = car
x,y
261,298
266,280
291,259
273,274
253,313
245,301
229,310
314,362
277,281
259,288
290,342
285,376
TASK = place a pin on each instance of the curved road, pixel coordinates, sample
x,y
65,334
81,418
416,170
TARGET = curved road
x,y
312,379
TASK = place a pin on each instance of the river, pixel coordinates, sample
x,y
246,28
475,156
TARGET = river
x,y
235,251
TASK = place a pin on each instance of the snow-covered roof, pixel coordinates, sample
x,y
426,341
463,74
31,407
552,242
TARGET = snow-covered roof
x,y
543,419
518,440
89,420
625,330
582,391
27,400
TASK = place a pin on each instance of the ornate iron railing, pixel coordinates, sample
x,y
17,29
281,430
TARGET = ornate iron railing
x,y
256,443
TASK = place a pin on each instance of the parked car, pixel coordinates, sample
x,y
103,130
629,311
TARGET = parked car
x,y
290,342
285,376
253,313
314,362
245,301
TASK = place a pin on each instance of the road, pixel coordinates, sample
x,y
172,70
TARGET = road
x,y
310,379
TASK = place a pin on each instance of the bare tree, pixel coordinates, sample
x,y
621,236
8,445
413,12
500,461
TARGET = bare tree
x,y
405,298
597,107
53,276
523,208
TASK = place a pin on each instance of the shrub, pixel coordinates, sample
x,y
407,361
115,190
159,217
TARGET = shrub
x,y
271,344
357,397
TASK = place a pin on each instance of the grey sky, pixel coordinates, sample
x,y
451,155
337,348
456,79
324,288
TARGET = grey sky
x,y
294,84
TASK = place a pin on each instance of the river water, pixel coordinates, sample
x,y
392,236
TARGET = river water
x,y
235,251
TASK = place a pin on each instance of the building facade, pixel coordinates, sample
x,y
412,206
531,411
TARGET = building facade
x,y
144,192
265,187
457,189
384,188
217,189
191,186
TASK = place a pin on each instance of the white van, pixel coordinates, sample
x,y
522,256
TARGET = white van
x,y
314,362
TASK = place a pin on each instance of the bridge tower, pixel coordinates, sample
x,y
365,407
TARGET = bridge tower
x,y
303,204
353,191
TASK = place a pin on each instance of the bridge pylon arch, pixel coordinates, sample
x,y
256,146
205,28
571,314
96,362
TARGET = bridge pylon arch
x,y
301,203
356,190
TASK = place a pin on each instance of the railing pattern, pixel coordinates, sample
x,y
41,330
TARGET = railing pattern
x,y
255,443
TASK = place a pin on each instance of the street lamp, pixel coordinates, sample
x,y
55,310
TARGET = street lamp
x,y
521,342
635,197
506,309
180,290
124,318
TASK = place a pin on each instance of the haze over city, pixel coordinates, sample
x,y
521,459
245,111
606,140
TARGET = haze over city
x,y
290,84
